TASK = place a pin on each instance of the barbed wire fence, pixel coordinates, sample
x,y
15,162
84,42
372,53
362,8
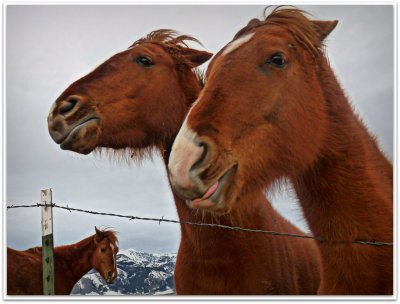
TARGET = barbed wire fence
x,y
200,224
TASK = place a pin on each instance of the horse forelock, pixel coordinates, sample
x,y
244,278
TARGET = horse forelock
x,y
171,41
166,36
109,234
295,21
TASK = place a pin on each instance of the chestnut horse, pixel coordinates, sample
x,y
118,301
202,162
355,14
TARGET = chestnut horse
x,y
271,109
71,263
138,100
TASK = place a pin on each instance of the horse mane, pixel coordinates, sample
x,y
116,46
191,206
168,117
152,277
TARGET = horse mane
x,y
171,41
200,75
295,21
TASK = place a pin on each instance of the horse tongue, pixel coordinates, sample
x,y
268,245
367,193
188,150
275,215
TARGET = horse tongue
x,y
204,201
210,191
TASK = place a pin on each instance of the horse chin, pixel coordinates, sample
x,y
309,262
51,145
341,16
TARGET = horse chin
x,y
106,278
222,197
109,281
82,138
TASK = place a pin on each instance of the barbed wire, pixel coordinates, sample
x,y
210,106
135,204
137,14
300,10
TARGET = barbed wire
x,y
235,228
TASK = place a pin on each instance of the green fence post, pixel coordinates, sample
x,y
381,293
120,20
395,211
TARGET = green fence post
x,y
47,242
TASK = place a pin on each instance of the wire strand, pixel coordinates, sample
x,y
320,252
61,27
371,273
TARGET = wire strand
x,y
199,224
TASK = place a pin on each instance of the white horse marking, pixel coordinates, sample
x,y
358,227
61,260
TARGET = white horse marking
x,y
237,43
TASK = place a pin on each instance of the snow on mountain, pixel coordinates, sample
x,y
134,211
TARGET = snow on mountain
x,y
138,273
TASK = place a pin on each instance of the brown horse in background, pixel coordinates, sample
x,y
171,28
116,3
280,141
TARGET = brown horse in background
x,y
138,100
71,263
271,109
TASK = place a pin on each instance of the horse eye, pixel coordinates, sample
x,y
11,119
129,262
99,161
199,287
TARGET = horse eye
x,y
277,60
144,61
103,250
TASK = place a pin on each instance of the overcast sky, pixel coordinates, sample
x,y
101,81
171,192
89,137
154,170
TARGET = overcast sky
x,y
49,47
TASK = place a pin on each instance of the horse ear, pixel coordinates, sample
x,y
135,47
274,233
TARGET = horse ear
x,y
97,236
253,23
324,28
196,57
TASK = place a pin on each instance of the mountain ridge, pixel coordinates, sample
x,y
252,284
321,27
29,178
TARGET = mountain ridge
x,y
139,273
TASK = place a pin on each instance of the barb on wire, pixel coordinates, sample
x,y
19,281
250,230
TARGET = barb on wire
x,y
200,224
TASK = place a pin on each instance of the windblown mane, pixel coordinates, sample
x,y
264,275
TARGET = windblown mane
x,y
170,40
295,21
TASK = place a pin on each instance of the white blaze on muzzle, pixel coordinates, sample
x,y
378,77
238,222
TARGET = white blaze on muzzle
x,y
114,259
185,152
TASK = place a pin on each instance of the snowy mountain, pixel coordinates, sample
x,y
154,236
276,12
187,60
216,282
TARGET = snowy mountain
x,y
139,273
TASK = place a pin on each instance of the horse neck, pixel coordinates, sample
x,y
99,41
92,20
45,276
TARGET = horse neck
x,y
76,258
350,182
191,84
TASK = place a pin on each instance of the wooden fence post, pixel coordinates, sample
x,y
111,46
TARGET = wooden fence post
x,y
47,242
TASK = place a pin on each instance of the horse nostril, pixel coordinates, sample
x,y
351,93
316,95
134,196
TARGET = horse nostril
x,y
109,274
203,156
68,104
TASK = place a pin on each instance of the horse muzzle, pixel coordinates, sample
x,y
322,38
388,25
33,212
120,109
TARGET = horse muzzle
x,y
194,174
110,277
72,126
